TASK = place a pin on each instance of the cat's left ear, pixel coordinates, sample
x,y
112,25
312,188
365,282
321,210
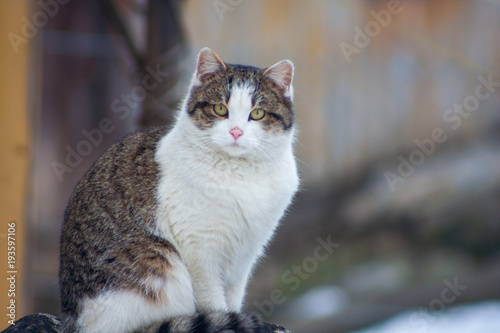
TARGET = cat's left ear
x,y
209,64
281,74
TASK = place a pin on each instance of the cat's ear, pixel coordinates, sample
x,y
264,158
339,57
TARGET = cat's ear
x,y
208,64
281,74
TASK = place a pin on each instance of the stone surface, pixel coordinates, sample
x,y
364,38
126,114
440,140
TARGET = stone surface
x,y
273,328
38,322
46,323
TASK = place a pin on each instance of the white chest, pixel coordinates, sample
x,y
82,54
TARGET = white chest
x,y
225,206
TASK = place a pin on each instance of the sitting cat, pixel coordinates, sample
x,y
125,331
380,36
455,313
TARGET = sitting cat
x,y
163,231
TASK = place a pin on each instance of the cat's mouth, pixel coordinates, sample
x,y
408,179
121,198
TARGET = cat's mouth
x,y
235,149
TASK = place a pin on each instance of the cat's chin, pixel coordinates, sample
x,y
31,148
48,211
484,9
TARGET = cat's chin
x,y
234,150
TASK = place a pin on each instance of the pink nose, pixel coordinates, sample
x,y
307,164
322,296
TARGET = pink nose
x,y
236,133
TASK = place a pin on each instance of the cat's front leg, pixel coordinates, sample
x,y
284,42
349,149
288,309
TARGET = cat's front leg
x,y
235,293
208,287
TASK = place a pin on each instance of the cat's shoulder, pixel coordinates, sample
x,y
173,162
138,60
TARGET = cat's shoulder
x,y
138,141
127,154
149,136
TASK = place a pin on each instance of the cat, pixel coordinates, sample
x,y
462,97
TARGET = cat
x,y
163,231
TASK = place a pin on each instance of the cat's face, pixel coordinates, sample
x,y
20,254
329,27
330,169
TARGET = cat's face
x,y
241,110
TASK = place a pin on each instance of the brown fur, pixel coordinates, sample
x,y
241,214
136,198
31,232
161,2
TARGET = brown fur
x,y
103,243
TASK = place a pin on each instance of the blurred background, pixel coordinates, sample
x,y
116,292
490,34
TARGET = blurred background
x,y
397,223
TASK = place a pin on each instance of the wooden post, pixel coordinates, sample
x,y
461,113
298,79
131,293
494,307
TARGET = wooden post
x,y
15,155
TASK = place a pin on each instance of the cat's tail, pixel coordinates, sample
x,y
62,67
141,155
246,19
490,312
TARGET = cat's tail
x,y
213,322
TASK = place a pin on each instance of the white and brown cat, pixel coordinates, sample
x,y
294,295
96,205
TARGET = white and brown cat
x,y
163,231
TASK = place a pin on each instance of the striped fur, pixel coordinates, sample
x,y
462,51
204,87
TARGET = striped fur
x,y
209,323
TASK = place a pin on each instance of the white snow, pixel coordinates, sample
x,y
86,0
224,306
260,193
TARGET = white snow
x,y
471,318
319,302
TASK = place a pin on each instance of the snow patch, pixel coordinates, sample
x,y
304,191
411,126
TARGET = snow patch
x,y
473,318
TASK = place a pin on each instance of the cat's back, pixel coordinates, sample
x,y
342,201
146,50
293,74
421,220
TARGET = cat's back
x,y
123,178
113,204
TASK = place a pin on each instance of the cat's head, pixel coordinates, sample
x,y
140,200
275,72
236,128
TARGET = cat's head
x,y
241,110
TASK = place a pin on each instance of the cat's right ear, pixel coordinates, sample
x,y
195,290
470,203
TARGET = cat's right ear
x,y
208,64
281,74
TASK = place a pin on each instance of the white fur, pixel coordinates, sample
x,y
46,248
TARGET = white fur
x,y
125,311
240,105
220,202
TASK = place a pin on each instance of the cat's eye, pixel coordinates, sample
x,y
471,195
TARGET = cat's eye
x,y
257,114
220,109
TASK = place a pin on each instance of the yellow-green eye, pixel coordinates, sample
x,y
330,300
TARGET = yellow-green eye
x,y
257,114
220,109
